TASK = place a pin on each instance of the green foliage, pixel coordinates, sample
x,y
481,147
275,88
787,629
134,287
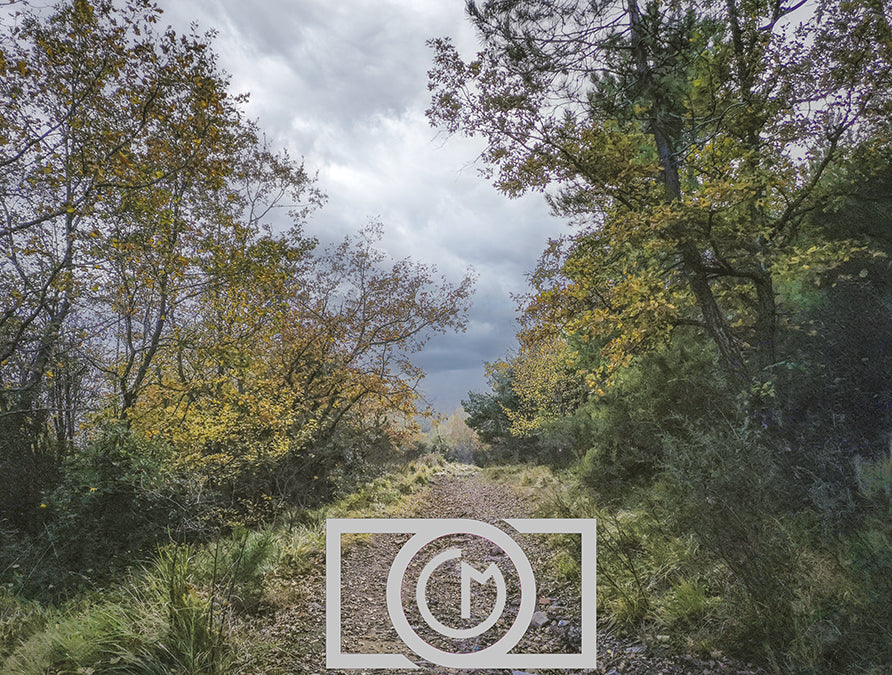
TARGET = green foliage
x,y
29,464
726,486
108,637
119,494
724,551
164,621
651,400
175,616
235,567
194,640
648,574
833,384
528,415
19,619
686,605
116,490
875,481
486,415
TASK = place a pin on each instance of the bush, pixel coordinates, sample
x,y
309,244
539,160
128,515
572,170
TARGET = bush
x,y
19,619
117,499
730,548
725,486
161,623
653,400
234,567
29,465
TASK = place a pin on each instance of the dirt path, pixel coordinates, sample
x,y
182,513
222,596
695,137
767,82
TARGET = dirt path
x,y
296,636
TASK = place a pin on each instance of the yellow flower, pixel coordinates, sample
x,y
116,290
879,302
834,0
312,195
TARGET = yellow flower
x,y
92,489
43,506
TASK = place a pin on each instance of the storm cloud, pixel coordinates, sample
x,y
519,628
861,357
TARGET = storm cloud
x,y
344,85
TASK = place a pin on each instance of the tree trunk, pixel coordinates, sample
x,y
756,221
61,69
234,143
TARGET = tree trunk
x,y
694,269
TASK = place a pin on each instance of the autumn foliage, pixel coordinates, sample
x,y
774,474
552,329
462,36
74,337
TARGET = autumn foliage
x,y
157,282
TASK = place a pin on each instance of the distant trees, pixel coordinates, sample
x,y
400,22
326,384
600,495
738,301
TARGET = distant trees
x,y
487,413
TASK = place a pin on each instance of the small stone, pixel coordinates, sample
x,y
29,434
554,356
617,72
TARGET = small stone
x,y
539,619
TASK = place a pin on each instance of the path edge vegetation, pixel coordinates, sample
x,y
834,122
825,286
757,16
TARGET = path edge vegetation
x,y
706,349
177,611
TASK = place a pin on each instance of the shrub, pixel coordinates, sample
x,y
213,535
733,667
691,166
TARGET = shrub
x,y
650,401
724,485
119,489
19,619
173,617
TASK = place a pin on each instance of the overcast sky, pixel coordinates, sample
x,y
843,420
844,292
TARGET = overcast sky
x,y
343,84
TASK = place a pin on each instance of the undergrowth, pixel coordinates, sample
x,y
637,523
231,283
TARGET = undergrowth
x,y
665,583
175,614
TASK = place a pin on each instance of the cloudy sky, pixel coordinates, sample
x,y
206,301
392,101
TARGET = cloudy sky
x,y
344,84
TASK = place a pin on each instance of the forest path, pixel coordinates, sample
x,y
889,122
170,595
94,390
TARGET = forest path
x,y
295,635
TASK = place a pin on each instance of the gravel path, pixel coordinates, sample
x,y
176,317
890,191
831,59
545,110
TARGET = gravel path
x,y
297,634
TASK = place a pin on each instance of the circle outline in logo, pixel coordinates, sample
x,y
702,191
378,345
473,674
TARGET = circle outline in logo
x,y
485,658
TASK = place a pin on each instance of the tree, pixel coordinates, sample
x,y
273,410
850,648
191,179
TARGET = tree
x,y
295,355
724,167
689,141
128,176
487,413
544,381
367,318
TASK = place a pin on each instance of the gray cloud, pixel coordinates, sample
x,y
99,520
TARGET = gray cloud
x,y
344,84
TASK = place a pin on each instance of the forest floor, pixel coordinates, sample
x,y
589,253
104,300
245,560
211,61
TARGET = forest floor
x,y
291,637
